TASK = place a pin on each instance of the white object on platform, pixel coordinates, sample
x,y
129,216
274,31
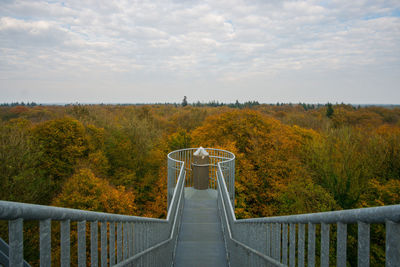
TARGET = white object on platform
x,y
201,152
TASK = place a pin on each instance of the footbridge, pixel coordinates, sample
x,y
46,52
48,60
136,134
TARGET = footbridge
x,y
201,229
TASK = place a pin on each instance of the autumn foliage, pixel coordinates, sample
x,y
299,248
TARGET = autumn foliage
x,y
291,159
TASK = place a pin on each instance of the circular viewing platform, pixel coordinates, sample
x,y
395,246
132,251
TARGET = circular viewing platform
x,y
216,160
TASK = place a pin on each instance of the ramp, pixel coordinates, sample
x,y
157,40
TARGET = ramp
x,y
200,241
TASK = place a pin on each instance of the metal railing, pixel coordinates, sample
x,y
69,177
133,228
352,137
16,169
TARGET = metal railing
x,y
124,240
216,155
139,241
272,241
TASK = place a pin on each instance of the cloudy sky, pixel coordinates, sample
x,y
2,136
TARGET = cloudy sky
x,y
159,51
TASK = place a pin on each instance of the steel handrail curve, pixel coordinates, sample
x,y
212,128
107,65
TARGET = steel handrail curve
x,y
170,154
178,157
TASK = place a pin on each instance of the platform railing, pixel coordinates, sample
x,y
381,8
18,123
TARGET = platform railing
x,y
281,241
216,155
124,240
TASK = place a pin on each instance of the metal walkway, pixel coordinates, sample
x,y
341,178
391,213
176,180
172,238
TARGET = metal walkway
x,y
200,241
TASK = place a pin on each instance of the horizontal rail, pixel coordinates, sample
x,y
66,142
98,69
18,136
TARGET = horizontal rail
x,y
14,210
366,215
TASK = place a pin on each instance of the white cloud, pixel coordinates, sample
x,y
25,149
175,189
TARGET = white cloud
x,y
151,42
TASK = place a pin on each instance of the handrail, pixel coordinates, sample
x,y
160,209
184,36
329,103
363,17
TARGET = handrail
x,y
228,228
366,215
15,210
256,241
162,243
216,155
137,238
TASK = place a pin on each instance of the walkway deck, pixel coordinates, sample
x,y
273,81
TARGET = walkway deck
x,y
200,241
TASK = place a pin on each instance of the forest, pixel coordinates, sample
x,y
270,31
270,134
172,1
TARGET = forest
x,y
291,158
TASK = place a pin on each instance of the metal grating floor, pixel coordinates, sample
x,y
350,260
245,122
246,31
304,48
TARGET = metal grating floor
x,y
200,241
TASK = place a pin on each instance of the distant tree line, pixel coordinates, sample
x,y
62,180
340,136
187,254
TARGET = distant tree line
x,y
13,104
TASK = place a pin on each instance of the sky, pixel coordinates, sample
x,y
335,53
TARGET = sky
x,y
102,51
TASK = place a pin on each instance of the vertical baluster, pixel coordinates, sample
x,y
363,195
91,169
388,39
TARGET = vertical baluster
x,y
153,241
311,245
119,242
252,239
112,243
140,229
136,238
363,244
268,239
16,250
300,246
324,244
292,244
65,243
130,237
392,244
146,242
233,182
341,245
103,237
45,243
150,237
94,244
125,241
261,236
82,243
261,233
278,241
156,236
273,240
284,243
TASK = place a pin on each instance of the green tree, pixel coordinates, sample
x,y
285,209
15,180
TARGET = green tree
x,y
58,144
184,102
329,110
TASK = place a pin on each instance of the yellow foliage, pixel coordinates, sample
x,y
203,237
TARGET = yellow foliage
x,y
86,191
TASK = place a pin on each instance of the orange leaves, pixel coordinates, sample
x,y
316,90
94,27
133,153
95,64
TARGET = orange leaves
x,y
268,156
86,191
381,193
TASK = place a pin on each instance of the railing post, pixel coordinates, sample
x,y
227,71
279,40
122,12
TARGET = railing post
x,y
311,245
126,243
363,244
300,245
392,244
268,240
112,243
94,244
292,244
82,243
16,250
130,237
45,243
65,243
324,244
284,243
119,242
103,237
341,248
